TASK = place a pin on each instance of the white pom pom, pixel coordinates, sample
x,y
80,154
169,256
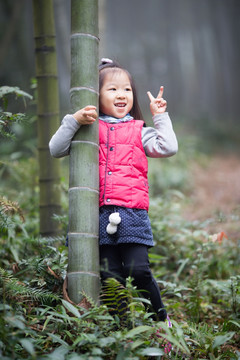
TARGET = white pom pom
x,y
111,229
114,218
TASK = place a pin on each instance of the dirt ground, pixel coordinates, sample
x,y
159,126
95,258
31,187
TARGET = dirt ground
x,y
216,195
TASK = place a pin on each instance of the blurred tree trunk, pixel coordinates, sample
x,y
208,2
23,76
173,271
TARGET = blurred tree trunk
x,y
83,267
48,113
10,31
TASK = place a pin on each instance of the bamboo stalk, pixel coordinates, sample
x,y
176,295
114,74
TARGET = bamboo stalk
x,y
83,264
48,113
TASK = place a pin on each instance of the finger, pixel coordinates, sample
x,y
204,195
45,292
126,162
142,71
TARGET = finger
x,y
90,107
160,94
91,119
161,101
91,112
151,98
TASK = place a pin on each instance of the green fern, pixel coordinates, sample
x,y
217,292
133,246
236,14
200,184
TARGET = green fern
x,y
13,289
194,298
7,118
8,209
49,269
116,297
89,301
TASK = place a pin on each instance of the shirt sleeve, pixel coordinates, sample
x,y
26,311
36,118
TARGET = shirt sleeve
x,y
60,143
161,140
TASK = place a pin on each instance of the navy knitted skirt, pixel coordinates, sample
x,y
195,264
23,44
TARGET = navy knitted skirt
x,y
134,227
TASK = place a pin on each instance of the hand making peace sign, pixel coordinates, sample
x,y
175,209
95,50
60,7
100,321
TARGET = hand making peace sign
x,y
157,105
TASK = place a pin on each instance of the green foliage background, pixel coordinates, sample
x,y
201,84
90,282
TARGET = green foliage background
x,y
199,278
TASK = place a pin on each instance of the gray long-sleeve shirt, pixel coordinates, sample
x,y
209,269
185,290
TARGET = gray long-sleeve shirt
x,y
159,141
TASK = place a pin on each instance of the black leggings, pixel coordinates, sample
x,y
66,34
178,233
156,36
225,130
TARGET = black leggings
x,y
123,260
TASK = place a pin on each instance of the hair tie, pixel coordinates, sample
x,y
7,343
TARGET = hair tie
x,y
106,61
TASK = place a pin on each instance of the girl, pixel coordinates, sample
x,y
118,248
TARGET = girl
x,y
124,144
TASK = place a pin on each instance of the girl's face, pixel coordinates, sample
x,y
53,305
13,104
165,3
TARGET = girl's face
x,y
116,95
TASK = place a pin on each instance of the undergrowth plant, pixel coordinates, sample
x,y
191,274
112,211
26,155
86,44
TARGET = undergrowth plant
x,y
199,280
37,323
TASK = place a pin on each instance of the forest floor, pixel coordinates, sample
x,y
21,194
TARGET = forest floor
x,y
216,195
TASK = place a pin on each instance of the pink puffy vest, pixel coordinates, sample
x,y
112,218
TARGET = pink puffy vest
x,y
123,165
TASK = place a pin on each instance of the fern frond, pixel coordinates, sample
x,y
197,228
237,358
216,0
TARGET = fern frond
x,y
51,240
13,289
44,273
10,208
116,297
89,301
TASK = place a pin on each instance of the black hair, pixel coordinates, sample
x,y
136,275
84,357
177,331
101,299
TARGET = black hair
x,y
107,65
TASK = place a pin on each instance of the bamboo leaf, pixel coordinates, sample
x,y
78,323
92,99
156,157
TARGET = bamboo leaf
x,y
5,90
14,253
234,323
107,341
16,322
146,301
57,339
4,307
178,341
59,353
221,339
71,308
28,346
138,330
137,343
48,319
151,352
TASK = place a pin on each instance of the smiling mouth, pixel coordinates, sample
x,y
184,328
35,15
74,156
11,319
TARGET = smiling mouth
x,y
120,105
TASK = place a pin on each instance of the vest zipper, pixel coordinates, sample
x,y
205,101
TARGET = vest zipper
x,y
106,165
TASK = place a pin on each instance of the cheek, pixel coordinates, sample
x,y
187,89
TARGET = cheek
x,y
131,103
102,104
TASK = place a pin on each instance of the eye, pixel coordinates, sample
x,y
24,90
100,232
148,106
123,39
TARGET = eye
x,y
112,89
128,89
